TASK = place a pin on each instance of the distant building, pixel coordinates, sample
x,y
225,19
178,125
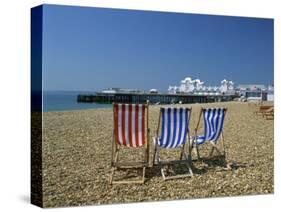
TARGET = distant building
x,y
270,93
256,92
153,90
173,89
196,86
120,90
227,87
110,90
188,85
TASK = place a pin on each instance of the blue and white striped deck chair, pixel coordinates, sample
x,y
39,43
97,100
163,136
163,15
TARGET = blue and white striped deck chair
x,y
174,134
213,130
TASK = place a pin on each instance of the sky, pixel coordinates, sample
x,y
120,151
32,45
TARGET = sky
x,y
89,49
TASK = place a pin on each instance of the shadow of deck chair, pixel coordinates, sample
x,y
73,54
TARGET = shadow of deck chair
x,y
130,131
174,134
213,132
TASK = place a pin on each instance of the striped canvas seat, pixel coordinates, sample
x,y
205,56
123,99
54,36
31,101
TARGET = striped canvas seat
x,y
213,119
174,134
129,124
174,127
130,131
213,125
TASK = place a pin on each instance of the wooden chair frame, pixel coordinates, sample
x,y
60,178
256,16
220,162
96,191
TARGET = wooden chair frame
x,y
263,109
115,164
183,154
269,113
215,146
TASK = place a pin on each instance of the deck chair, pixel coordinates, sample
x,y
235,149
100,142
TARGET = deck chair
x,y
262,108
130,131
269,113
174,134
213,130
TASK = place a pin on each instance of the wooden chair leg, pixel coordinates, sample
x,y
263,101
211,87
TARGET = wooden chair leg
x,y
223,145
157,156
181,154
154,156
162,172
189,154
159,163
154,152
197,152
187,158
190,174
113,168
212,151
217,149
189,161
143,174
145,159
228,166
111,175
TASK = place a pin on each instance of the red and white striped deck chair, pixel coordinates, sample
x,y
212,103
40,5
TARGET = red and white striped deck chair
x,y
130,131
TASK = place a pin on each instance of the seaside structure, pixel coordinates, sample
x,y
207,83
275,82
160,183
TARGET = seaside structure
x,y
227,86
189,91
153,90
121,90
270,93
250,92
197,87
153,98
256,92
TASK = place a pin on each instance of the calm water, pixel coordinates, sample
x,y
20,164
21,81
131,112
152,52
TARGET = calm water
x,y
66,100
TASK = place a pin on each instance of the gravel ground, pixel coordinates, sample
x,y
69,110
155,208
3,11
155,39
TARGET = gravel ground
x,y
77,154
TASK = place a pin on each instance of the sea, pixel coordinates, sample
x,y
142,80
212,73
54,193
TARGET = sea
x,y
67,100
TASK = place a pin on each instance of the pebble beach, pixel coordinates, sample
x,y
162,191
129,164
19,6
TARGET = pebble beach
x,y
77,157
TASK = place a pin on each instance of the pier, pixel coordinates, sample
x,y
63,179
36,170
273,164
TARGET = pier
x,y
153,98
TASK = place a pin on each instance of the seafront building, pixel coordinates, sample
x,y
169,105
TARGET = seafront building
x,y
121,90
256,92
248,92
189,86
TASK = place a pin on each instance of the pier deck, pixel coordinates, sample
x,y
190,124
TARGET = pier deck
x,y
152,98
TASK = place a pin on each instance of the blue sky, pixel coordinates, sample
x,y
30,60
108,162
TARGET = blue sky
x,y
88,49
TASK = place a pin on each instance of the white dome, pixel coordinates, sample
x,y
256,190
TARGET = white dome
x,y
187,79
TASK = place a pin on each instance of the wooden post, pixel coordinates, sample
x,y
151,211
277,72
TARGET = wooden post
x,y
148,133
224,151
196,129
157,134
